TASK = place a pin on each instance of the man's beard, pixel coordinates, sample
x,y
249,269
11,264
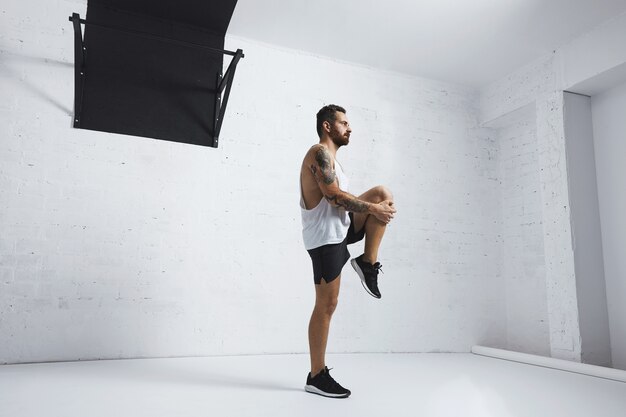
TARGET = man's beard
x,y
339,139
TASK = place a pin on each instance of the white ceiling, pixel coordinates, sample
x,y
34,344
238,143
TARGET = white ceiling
x,y
470,42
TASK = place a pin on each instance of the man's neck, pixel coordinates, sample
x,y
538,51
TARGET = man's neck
x,y
330,145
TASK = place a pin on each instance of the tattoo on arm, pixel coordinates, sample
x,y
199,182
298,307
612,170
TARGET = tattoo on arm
x,y
325,174
323,161
349,202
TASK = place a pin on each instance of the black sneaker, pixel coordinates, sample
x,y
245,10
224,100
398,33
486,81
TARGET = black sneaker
x,y
368,274
324,384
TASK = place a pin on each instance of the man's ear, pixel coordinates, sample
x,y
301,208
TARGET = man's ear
x,y
326,126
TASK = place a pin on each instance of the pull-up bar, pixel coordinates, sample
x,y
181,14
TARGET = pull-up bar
x,y
76,17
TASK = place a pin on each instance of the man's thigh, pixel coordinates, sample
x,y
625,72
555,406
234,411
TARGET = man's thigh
x,y
373,195
328,290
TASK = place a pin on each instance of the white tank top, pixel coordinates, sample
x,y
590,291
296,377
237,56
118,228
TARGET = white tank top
x,y
325,224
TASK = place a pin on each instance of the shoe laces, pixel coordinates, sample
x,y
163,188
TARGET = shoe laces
x,y
378,267
330,379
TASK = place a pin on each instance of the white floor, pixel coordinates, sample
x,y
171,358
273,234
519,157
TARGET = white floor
x,y
428,385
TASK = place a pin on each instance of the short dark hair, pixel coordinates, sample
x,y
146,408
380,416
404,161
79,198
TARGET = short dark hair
x,y
327,114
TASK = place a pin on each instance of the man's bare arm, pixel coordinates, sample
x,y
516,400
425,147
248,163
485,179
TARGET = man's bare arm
x,y
326,178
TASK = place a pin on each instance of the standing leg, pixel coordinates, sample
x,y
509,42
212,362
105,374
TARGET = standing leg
x,y
319,380
326,296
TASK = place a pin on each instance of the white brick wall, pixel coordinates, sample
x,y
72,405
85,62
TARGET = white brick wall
x,y
117,246
591,287
523,265
535,85
589,62
518,89
595,60
609,125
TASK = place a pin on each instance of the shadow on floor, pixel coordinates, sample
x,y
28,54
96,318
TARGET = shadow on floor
x,y
203,377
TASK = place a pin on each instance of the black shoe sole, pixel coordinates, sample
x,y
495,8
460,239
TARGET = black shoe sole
x,y
314,390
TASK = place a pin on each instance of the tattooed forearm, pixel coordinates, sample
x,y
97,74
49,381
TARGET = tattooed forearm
x,y
326,177
326,171
349,202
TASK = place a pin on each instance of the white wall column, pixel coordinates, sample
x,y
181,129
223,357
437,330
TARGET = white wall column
x,y
565,340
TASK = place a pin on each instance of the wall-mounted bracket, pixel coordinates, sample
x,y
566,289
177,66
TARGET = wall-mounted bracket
x,y
79,68
224,81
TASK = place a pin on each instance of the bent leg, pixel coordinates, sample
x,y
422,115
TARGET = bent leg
x,y
326,297
374,228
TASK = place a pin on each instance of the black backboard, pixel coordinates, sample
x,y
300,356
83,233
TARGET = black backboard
x,y
147,86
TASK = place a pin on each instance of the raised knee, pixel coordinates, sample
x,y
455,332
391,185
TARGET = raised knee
x,y
383,192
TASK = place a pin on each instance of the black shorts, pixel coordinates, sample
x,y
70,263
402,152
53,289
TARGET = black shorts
x,y
328,260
